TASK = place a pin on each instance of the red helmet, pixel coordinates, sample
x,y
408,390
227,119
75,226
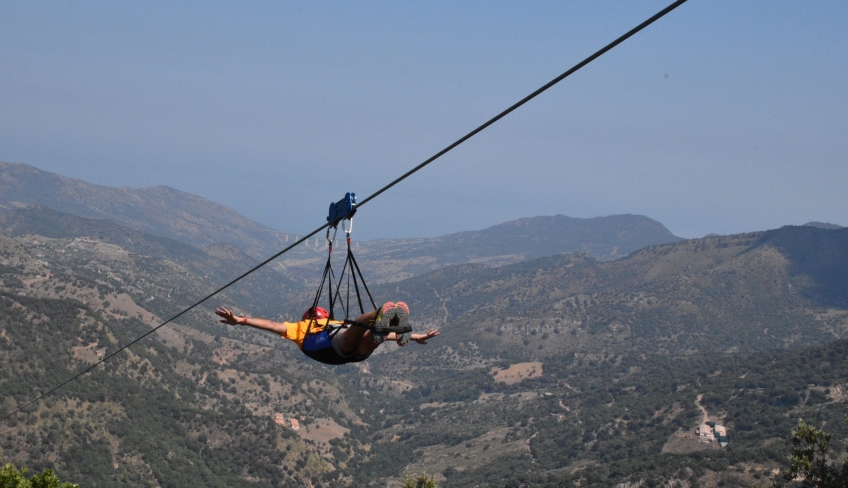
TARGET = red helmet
x,y
316,313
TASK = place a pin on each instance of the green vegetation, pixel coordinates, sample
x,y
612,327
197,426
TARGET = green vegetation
x,y
420,481
11,477
612,418
145,418
810,461
622,350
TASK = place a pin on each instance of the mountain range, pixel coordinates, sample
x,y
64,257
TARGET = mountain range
x,y
574,352
159,210
192,220
676,298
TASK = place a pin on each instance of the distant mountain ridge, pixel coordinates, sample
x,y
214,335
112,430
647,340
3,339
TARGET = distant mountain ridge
x,y
552,363
820,256
673,298
824,225
605,238
158,210
216,263
193,220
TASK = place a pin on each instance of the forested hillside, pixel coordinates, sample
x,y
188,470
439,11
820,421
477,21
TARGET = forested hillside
x,y
555,371
566,369
83,244
189,219
740,293
186,407
604,238
160,210
623,418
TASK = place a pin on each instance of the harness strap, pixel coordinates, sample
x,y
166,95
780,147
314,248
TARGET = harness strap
x,y
355,266
395,329
328,272
374,328
354,323
350,271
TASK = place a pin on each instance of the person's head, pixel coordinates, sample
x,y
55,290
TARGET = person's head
x,y
316,313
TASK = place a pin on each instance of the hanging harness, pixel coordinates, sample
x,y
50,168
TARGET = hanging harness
x,y
350,279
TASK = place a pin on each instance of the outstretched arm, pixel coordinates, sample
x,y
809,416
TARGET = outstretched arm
x,y
227,317
419,338
422,338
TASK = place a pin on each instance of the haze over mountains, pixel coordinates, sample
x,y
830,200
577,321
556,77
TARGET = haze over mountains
x,y
573,351
757,291
159,210
187,218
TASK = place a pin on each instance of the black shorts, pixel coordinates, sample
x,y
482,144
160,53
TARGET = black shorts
x,y
325,347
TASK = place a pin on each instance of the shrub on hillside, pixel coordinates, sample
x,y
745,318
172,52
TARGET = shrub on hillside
x,y
10,477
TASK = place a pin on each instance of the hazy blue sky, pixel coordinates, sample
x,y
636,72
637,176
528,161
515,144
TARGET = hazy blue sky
x,y
723,117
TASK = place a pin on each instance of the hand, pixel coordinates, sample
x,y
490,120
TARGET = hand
x,y
422,338
227,317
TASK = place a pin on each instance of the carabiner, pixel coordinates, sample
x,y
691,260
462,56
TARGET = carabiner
x,y
335,231
348,231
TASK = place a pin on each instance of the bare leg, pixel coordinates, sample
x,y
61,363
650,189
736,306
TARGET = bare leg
x,y
352,337
367,345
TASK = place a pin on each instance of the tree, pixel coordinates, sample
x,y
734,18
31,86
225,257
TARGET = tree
x,y
10,477
420,481
810,465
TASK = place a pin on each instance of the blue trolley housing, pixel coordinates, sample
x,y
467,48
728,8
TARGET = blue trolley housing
x,y
342,210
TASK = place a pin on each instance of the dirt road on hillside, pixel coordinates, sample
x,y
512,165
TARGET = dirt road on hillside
x,y
700,407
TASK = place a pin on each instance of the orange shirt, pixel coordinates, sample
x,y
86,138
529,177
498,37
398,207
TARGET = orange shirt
x,y
296,331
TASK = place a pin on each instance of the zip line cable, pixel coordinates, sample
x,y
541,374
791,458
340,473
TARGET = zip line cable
x,y
531,96
207,297
436,156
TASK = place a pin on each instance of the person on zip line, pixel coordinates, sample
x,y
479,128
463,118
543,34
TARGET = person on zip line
x,y
335,341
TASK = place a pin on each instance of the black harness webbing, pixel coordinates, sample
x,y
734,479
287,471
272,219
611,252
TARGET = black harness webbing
x,y
353,274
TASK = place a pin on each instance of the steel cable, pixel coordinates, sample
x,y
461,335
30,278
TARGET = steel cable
x,y
436,156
